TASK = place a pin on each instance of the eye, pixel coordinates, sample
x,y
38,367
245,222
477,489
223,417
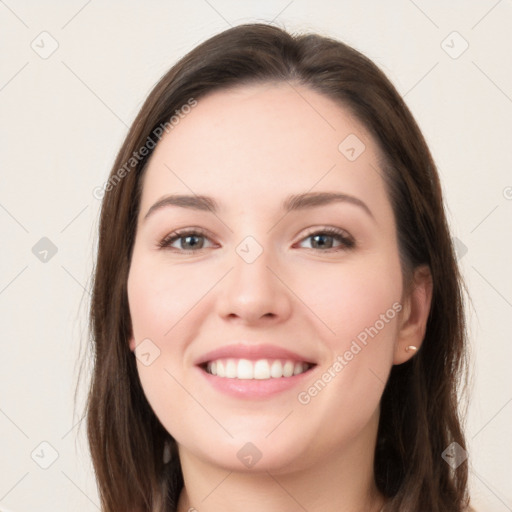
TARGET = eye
x,y
191,240
194,240
326,238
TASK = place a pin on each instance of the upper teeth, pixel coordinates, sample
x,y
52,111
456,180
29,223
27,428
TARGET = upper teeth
x,y
260,369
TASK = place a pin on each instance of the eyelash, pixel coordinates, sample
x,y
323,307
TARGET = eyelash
x,y
338,234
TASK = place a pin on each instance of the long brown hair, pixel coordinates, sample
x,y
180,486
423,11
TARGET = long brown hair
x,y
419,407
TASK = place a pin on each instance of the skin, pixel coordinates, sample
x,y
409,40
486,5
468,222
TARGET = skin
x,y
250,148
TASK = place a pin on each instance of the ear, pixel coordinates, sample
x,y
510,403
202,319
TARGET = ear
x,y
131,343
414,315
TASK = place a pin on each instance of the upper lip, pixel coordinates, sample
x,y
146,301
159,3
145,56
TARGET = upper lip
x,y
253,352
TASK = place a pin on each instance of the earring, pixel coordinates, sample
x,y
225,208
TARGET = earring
x,y
411,348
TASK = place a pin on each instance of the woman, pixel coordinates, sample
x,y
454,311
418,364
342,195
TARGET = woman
x,y
277,313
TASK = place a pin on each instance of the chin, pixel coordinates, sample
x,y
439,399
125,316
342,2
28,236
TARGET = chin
x,y
250,454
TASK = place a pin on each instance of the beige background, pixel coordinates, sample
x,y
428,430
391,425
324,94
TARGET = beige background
x,y
64,115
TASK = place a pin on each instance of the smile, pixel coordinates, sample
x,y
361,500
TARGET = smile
x,y
261,369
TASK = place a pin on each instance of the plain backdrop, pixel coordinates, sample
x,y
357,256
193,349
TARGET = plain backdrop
x,y
72,77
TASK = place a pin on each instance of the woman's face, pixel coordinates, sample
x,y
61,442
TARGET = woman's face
x,y
266,253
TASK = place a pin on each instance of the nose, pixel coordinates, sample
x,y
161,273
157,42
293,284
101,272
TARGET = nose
x,y
254,292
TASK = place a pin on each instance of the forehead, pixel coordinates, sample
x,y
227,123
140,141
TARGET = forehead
x,y
273,139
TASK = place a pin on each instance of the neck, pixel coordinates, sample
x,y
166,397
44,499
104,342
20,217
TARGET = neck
x,y
342,481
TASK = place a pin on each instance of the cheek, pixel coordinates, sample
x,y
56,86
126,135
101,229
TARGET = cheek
x,y
349,299
160,297
159,300
360,306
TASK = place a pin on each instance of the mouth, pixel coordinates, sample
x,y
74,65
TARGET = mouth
x,y
260,369
248,371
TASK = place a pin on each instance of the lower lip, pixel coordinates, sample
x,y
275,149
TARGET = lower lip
x,y
254,388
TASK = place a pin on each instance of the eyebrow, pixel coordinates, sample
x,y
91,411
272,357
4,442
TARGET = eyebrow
x,y
292,203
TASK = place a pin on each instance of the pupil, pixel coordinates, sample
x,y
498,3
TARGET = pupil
x,y
321,240
189,240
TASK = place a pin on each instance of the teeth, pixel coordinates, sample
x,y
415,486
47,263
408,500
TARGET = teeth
x,y
221,372
262,369
288,369
245,370
231,372
276,370
298,369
